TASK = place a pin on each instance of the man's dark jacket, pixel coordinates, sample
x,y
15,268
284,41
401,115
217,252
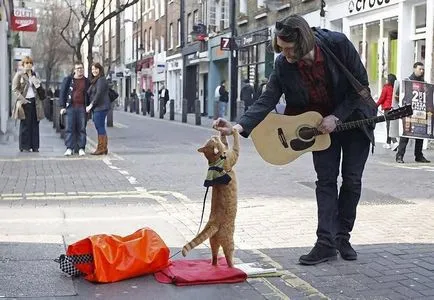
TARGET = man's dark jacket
x,y
286,79
65,95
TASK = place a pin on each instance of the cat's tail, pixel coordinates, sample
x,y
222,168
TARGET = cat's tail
x,y
206,233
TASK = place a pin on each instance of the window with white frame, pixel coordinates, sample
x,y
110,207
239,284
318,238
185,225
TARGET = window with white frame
x,y
162,43
212,16
420,18
243,7
151,48
195,17
162,7
171,36
146,45
178,34
157,46
261,3
157,9
189,27
224,21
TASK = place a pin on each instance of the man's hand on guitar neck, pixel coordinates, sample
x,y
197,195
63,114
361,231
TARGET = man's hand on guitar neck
x,y
328,124
225,127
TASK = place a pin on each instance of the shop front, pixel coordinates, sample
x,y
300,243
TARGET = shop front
x,y
218,70
174,79
389,35
255,57
191,75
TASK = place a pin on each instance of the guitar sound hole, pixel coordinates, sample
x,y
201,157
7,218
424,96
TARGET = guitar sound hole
x,y
306,133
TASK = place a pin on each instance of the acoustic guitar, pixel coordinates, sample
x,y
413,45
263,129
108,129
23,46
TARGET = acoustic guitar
x,y
280,139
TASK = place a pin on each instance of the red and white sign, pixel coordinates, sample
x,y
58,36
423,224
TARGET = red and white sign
x,y
23,20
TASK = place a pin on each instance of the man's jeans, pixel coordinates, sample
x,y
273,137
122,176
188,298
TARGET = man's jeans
x,y
337,211
222,109
75,132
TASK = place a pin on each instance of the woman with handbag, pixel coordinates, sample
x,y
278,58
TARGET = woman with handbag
x,y
28,105
99,104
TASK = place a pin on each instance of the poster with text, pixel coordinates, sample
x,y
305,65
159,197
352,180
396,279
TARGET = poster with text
x,y
420,96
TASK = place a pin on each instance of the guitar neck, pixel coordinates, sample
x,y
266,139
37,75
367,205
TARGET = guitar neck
x,y
354,124
359,123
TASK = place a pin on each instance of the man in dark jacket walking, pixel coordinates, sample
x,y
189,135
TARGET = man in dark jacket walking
x,y
246,94
418,72
73,100
312,81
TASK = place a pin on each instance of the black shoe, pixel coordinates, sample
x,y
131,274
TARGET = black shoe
x,y
35,150
346,251
422,159
319,253
399,160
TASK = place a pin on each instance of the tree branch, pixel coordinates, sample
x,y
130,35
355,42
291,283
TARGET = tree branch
x,y
64,28
112,14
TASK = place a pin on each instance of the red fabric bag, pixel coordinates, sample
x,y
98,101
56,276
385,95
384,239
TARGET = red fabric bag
x,y
201,271
116,258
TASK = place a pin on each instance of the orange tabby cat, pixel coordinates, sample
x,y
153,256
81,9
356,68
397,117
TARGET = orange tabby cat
x,y
221,224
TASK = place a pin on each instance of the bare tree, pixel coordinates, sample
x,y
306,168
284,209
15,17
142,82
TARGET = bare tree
x,y
94,15
49,48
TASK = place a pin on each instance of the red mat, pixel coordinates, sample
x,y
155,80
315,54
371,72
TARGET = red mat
x,y
200,271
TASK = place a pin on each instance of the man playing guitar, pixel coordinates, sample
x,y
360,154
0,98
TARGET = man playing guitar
x,y
312,81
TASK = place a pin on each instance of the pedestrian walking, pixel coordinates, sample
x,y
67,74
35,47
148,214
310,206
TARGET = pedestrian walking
x,y
28,108
223,100
312,81
163,93
417,75
386,103
99,105
246,94
73,100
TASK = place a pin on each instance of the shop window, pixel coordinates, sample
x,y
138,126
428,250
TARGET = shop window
x,y
420,18
372,54
390,47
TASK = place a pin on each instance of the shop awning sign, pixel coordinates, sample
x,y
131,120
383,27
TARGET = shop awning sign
x,y
358,6
23,20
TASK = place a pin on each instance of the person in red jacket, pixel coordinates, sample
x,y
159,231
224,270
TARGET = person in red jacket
x,y
386,100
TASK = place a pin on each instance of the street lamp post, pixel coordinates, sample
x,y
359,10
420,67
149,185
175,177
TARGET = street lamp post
x,y
233,62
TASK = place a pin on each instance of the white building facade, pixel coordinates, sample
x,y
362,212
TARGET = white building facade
x,y
390,35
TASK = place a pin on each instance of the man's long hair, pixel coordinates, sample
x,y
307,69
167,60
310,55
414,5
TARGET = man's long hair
x,y
294,29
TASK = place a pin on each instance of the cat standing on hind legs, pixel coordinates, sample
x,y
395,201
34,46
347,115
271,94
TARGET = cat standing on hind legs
x,y
221,176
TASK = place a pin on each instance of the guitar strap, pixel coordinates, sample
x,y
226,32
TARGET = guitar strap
x,y
363,91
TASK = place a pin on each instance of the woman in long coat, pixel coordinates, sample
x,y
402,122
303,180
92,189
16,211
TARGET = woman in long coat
x,y
28,106
99,105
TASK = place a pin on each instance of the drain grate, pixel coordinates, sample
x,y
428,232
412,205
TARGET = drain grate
x,y
369,196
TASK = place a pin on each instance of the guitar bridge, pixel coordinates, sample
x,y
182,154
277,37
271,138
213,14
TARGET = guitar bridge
x,y
282,137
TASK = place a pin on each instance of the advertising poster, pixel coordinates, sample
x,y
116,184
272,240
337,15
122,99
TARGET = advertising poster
x,y
420,96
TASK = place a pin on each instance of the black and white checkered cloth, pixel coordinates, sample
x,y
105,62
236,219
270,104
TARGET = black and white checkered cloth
x,y
67,263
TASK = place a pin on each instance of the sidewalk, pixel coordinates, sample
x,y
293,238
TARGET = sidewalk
x,y
39,216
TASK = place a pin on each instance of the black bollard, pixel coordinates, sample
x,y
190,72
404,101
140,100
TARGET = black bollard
x,y
216,110
197,111
162,109
184,110
110,117
172,109
126,104
152,107
138,106
145,107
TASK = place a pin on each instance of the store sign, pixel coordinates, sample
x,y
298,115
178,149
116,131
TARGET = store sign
x,y
420,96
19,53
358,6
23,20
253,38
